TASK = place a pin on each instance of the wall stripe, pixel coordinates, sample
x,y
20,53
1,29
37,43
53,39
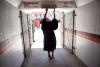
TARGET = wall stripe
x,y
89,36
11,41
8,43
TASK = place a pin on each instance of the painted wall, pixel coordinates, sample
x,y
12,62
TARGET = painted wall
x,y
87,42
11,48
82,2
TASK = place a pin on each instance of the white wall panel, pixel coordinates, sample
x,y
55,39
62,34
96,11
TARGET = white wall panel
x,y
9,28
86,18
88,21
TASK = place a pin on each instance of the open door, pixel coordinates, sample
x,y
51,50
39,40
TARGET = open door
x,y
69,31
25,32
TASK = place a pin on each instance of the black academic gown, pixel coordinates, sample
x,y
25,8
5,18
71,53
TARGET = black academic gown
x,y
49,35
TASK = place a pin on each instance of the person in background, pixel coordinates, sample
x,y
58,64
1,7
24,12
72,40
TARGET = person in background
x,y
48,28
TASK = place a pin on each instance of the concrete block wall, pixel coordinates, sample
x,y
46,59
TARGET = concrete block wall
x,y
11,46
87,40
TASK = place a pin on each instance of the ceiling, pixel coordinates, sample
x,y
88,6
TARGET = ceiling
x,y
15,3
48,3
47,0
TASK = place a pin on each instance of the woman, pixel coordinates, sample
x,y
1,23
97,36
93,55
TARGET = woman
x,y
48,28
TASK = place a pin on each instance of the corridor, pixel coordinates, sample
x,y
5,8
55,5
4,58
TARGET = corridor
x,y
39,58
77,35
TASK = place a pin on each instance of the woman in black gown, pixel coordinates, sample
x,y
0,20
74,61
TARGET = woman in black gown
x,y
48,28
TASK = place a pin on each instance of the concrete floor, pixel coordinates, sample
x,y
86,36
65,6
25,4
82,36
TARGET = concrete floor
x,y
39,58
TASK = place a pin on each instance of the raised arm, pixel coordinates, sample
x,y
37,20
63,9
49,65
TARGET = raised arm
x,y
54,13
46,13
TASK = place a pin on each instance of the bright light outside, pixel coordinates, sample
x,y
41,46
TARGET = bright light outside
x,y
38,34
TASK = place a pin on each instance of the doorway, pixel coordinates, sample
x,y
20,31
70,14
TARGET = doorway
x,y
36,16
61,33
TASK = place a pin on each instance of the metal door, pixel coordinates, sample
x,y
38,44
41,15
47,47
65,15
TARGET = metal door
x,y
25,33
69,31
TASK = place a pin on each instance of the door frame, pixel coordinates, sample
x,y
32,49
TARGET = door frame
x,y
72,50
22,28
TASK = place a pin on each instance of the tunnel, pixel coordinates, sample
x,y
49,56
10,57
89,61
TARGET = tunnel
x,y
77,35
